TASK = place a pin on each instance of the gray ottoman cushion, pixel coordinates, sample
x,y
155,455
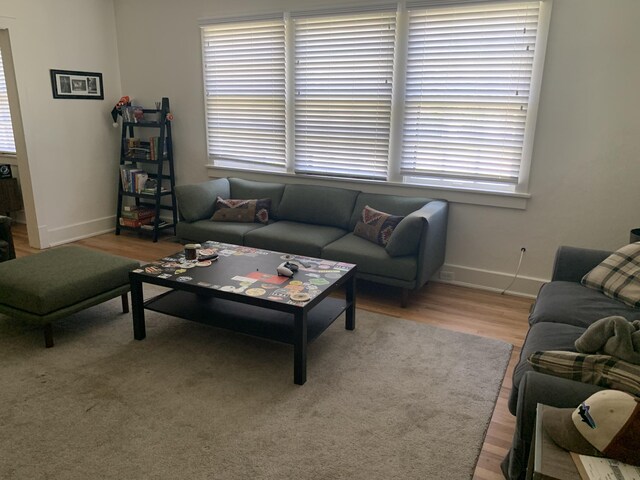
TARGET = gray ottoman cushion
x,y
58,278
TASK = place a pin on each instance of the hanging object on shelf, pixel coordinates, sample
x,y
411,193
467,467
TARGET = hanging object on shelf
x,y
117,110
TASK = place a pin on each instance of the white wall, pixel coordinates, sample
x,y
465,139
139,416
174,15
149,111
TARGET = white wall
x,y
585,166
71,148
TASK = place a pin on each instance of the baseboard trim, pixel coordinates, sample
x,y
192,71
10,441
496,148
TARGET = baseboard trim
x,y
491,280
78,231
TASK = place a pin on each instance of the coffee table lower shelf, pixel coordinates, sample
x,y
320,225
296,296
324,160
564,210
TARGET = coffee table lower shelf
x,y
248,319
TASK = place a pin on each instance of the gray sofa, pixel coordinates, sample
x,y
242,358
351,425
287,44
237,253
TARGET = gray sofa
x,y
318,221
562,312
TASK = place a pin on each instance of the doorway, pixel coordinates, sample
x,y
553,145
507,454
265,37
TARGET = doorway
x,y
18,187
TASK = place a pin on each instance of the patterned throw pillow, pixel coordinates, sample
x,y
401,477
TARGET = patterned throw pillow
x,y
376,226
618,276
602,370
246,211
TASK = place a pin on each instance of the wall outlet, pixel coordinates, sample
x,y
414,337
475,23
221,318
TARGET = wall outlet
x,y
447,276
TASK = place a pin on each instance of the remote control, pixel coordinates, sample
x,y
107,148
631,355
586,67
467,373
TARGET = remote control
x,y
213,256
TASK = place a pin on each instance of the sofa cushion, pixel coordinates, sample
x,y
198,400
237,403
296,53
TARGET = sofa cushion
x,y
602,370
393,204
542,336
370,258
248,189
618,275
197,202
376,226
405,238
574,304
243,211
317,205
293,237
226,232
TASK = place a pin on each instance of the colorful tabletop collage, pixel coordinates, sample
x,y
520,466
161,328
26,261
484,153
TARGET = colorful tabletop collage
x,y
253,274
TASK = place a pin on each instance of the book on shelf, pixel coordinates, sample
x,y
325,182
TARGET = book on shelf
x,y
152,191
156,152
133,179
135,223
141,213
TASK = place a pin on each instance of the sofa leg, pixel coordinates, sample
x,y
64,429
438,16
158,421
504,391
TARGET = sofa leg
x,y
48,335
125,303
405,298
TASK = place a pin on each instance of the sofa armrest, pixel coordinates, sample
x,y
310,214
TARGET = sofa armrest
x,y
433,239
537,388
7,250
573,263
198,201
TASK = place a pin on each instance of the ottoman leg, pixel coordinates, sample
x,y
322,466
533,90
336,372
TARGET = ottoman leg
x,y
48,335
125,303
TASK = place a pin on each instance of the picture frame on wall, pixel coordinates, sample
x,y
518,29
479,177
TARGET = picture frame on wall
x,y
75,84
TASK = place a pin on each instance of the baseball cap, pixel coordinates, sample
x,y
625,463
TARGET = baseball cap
x,y
607,424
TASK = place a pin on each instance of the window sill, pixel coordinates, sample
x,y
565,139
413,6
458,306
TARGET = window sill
x,y
516,201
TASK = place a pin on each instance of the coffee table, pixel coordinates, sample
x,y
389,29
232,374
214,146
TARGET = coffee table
x,y
242,292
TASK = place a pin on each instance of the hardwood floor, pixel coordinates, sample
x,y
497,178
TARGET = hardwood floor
x,y
462,309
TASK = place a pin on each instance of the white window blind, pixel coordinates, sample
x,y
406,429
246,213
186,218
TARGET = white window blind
x,y
244,78
343,73
467,90
7,144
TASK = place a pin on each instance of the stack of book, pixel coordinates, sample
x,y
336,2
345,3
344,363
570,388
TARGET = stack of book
x,y
133,179
154,148
148,150
134,216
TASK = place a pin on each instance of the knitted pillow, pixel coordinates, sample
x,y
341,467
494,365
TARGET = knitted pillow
x,y
376,226
246,211
618,276
602,370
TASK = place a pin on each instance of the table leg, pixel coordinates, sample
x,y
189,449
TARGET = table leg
x,y
300,348
137,308
350,314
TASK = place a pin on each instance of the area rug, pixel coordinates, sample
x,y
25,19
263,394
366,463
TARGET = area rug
x,y
394,399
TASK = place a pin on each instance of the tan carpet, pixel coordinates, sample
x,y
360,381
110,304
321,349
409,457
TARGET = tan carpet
x,y
393,399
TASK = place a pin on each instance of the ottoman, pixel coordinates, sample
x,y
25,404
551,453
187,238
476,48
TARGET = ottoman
x,y
47,286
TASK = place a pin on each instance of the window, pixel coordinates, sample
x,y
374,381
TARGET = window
x,y
435,95
467,92
7,144
245,94
343,73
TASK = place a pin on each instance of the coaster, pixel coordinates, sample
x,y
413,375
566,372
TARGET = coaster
x,y
300,297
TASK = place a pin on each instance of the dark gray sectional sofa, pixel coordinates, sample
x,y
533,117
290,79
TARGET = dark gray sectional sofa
x,y
318,221
562,312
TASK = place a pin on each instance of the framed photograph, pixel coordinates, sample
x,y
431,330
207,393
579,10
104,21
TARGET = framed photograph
x,y
72,84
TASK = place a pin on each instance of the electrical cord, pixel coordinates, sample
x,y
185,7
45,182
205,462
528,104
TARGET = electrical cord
x,y
522,250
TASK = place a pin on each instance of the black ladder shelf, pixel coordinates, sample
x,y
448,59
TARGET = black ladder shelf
x,y
148,157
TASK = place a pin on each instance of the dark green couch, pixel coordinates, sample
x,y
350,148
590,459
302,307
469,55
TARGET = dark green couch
x,y
319,221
